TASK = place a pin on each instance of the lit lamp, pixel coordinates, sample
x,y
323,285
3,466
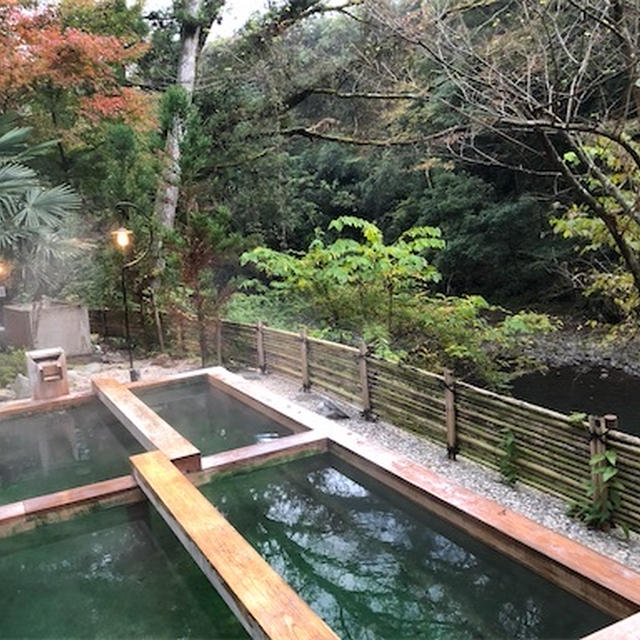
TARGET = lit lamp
x,y
122,238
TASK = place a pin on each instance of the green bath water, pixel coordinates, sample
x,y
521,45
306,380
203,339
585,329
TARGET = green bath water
x,y
210,419
46,452
373,565
119,573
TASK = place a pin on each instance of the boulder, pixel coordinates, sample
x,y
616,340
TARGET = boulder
x,y
330,410
6,395
21,387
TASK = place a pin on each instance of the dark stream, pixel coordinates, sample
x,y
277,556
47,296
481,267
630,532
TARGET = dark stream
x,y
592,391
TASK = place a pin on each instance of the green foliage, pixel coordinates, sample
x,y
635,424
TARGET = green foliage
x,y
174,104
269,307
502,247
465,334
507,464
105,17
352,283
602,496
603,271
12,362
354,289
34,217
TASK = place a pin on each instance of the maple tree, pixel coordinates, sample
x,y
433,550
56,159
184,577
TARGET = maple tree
x,y
70,78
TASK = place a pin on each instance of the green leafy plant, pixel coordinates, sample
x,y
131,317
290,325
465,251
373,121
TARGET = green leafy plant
x,y
507,465
602,496
12,363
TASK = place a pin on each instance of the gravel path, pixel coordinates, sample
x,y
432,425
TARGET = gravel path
x,y
80,374
534,504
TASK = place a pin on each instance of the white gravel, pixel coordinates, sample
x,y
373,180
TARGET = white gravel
x,y
547,510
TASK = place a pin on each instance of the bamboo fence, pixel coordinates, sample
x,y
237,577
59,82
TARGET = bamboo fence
x,y
552,450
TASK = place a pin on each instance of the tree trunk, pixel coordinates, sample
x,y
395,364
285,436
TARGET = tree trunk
x,y
169,187
168,190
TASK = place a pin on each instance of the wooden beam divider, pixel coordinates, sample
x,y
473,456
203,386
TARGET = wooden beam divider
x,y
264,603
278,450
146,425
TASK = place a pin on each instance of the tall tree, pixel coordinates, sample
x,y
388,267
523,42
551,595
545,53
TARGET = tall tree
x,y
190,17
555,83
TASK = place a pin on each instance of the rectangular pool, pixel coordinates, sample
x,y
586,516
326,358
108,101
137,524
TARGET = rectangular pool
x,y
209,418
116,573
41,453
374,565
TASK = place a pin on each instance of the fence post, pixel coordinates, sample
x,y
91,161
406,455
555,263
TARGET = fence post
x,y
609,422
450,413
304,359
262,362
597,430
219,341
103,318
364,381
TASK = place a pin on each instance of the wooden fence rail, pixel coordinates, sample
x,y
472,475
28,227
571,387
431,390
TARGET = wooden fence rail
x,y
553,451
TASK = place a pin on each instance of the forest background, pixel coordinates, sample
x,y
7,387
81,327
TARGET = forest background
x,y
445,180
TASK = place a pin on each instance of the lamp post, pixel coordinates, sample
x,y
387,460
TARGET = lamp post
x,y
122,238
5,272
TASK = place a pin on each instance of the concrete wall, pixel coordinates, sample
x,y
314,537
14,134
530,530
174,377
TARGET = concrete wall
x,y
44,326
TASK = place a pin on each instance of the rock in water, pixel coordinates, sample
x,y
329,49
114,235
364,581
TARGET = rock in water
x,y
330,410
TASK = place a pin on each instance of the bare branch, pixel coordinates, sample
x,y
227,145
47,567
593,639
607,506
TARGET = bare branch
x,y
369,95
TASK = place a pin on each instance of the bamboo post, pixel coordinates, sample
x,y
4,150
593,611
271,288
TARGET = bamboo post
x,y
304,359
364,381
262,362
450,413
596,446
609,423
219,341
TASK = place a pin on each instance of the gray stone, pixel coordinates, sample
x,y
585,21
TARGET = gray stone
x,y
91,368
113,357
6,395
251,374
21,387
330,410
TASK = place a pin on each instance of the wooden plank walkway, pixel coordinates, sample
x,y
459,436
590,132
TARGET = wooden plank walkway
x,y
146,425
264,603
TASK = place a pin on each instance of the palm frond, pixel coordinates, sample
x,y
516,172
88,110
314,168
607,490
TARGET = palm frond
x,y
13,143
46,207
15,178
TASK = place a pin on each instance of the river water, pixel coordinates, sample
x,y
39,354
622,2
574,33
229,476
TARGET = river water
x,y
592,391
